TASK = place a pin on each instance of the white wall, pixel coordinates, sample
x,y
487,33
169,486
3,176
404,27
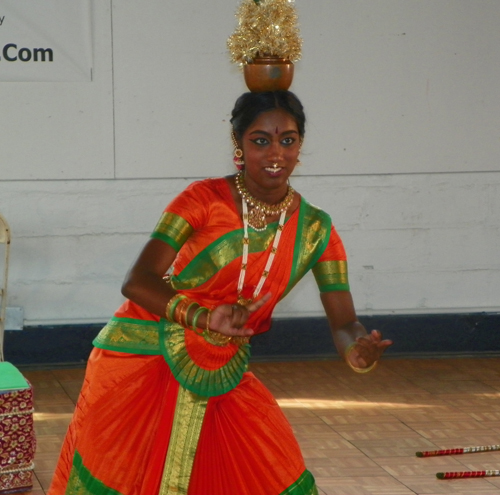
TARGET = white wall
x,y
402,149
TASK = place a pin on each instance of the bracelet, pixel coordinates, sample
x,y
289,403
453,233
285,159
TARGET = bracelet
x,y
186,313
180,310
213,337
207,325
194,322
349,349
172,303
217,338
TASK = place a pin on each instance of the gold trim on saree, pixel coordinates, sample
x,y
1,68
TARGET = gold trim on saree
x,y
311,240
331,274
129,335
173,229
219,254
191,373
188,420
82,482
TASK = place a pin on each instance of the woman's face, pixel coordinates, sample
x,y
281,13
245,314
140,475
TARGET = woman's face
x,y
272,138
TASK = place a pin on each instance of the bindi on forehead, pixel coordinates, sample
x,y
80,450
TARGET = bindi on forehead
x,y
277,130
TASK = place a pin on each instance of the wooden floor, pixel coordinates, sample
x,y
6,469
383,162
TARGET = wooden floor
x,y
359,433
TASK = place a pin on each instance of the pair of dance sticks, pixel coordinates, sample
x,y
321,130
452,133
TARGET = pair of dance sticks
x,y
464,450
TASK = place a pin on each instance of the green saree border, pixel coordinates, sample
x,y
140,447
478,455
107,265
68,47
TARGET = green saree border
x,y
219,254
172,229
188,420
207,383
129,335
303,258
305,485
81,481
331,275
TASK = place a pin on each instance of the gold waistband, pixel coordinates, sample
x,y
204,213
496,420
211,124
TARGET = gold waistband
x,y
220,339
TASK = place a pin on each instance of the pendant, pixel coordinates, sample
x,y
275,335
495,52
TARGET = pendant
x,y
257,219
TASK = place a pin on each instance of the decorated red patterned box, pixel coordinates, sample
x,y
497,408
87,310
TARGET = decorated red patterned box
x,y
17,440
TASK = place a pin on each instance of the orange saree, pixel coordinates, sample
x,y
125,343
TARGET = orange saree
x,y
164,410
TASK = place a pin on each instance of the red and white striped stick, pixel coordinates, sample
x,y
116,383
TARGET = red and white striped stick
x,y
464,450
468,474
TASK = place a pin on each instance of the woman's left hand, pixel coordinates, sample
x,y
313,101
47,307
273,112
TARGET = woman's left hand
x,y
368,349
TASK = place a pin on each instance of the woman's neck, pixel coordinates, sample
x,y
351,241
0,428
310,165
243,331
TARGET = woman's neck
x,y
266,195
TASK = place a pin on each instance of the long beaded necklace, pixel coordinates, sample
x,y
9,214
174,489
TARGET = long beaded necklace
x,y
246,244
260,210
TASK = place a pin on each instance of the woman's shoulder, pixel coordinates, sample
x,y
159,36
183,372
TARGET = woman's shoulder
x,y
208,182
198,201
211,185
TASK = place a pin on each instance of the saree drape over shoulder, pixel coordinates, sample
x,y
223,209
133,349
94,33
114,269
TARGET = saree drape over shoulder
x,y
164,410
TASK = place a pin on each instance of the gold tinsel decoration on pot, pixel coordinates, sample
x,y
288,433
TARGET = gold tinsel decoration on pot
x,y
265,28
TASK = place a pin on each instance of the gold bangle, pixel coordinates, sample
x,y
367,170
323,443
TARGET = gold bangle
x,y
349,349
179,310
186,313
213,337
172,303
217,338
207,325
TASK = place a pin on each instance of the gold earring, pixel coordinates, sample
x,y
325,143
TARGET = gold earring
x,y
300,149
238,153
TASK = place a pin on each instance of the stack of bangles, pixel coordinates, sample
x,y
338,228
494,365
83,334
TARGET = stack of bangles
x,y
348,351
177,311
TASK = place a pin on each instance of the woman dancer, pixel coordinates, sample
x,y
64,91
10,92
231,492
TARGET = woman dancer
x,y
167,406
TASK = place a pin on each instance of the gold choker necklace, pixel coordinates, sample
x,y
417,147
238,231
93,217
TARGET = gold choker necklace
x,y
260,210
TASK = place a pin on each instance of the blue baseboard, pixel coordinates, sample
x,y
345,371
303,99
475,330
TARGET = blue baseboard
x,y
413,335
289,339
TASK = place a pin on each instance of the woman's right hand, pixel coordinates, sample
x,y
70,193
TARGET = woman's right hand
x,y
230,319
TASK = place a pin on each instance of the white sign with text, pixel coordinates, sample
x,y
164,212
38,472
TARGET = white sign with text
x,y
45,40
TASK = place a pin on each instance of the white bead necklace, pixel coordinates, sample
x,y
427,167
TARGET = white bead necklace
x,y
244,259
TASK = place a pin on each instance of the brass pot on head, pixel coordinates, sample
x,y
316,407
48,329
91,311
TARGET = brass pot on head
x,y
268,74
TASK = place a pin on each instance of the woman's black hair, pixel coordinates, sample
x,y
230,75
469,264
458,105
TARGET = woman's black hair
x,y
250,105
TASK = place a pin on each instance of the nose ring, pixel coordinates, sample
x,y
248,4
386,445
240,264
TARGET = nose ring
x,y
275,165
